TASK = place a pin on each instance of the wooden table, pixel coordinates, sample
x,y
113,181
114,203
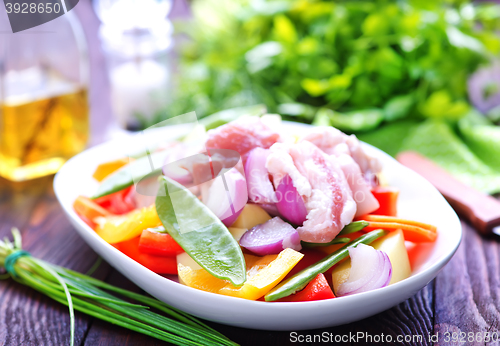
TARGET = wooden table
x,y
465,296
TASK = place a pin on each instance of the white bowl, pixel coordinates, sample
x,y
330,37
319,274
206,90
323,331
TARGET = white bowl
x,y
418,200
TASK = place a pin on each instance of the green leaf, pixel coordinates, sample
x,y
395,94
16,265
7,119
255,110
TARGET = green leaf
x,y
322,118
439,105
297,110
228,115
375,24
461,40
398,107
284,30
199,232
308,45
315,87
389,138
264,50
362,120
484,140
437,141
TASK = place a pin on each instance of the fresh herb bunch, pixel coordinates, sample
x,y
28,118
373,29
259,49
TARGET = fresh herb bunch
x,y
351,64
90,296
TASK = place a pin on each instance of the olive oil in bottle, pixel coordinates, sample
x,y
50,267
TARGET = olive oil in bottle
x,y
41,127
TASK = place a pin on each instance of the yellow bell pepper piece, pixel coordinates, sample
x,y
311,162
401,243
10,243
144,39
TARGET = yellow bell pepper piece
x,y
115,229
264,275
192,275
105,169
199,279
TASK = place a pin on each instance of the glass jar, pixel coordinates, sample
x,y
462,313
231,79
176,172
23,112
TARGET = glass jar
x,y
44,112
136,39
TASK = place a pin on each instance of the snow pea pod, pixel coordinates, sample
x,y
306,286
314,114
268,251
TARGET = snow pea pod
x,y
301,279
199,232
143,167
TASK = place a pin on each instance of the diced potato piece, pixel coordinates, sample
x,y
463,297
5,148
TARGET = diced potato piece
x,y
237,232
252,215
264,275
393,245
187,261
340,274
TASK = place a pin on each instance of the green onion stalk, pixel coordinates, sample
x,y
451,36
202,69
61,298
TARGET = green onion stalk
x,y
101,300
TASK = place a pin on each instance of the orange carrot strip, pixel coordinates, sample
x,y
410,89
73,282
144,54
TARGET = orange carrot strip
x,y
392,219
88,210
411,233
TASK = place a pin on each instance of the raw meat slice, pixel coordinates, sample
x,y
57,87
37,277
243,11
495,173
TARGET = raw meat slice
x,y
335,142
361,191
242,135
321,182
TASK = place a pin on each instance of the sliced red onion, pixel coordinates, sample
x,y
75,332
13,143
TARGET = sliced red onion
x,y
290,204
227,205
271,237
260,189
173,168
179,174
478,85
370,269
270,208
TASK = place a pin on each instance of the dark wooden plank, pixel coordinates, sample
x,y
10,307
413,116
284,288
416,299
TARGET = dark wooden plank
x,y
108,334
413,318
468,291
26,316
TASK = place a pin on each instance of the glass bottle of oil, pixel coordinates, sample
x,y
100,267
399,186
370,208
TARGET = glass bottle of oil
x,y
44,112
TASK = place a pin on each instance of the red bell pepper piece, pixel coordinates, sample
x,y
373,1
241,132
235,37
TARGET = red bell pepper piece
x,y
387,197
311,256
157,264
160,244
118,203
317,289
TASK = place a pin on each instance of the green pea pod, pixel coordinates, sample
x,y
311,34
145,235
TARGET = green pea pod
x,y
302,278
353,227
145,166
199,232
334,241
348,229
223,117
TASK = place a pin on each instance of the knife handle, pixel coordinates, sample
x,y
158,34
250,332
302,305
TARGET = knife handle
x,y
483,211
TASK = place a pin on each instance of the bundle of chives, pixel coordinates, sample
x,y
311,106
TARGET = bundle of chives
x,y
86,294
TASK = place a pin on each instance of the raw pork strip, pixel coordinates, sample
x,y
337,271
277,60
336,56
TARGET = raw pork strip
x,y
359,168
321,182
242,136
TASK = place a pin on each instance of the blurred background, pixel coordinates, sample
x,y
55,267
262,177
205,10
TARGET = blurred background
x,y
401,75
